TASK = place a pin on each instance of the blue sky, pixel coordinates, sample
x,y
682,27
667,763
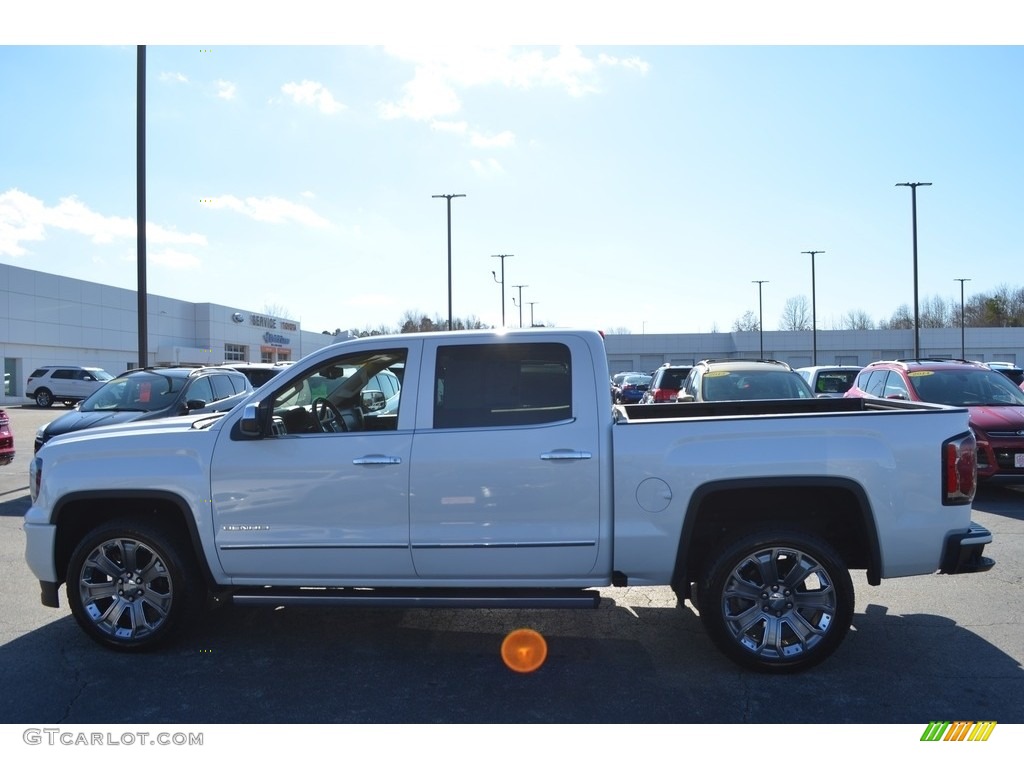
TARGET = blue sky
x,y
636,185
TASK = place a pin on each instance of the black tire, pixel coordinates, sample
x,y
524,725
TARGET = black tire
x,y
777,600
44,398
131,585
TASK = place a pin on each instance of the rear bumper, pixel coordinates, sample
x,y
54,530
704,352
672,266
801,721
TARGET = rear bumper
x,y
963,551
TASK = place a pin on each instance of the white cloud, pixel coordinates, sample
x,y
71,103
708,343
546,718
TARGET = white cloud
x,y
226,90
503,139
441,72
633,63
427,96
173,259
172,77
449,126
24,218
21,219
488,167
314,94
274,210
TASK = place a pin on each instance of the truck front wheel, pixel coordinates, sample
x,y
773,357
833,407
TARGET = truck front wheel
x,y
131,584
777,601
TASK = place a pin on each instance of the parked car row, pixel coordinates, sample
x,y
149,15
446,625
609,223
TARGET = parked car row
x,y
152,393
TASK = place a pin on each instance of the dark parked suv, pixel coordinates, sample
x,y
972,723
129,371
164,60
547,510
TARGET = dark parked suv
x,y
152,393
995,403
665,385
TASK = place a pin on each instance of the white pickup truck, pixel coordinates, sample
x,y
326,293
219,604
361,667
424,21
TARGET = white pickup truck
x,y
488,469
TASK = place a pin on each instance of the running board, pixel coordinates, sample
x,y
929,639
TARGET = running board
x,y
419,598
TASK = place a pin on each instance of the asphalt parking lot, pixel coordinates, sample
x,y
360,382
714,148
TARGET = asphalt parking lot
x,y
922,649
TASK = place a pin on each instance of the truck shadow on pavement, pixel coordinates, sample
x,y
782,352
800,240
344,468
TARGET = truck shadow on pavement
x,y
617,664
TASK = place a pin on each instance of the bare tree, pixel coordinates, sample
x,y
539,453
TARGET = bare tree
x,y
795,315
749,322
856,320
901,319
936,312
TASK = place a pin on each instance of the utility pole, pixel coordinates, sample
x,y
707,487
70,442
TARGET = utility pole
x,y
913,209
142,292
760,314
520,302
814,313
449,199
963,347
501,282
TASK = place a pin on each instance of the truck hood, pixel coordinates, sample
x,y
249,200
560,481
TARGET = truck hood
x,y
168,424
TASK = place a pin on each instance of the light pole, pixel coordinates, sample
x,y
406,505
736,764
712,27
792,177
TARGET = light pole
x,y
913,208
963,348
531,303
449,199
520,302
814,313
760,313
501,282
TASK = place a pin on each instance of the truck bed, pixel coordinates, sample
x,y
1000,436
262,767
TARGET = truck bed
x,y
629,413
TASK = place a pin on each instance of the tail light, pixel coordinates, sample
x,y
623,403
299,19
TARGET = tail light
x,y
959,469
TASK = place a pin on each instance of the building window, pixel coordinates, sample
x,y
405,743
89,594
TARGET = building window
x,y
235,353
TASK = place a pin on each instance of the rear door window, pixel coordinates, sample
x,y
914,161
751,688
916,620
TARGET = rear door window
x,y
493,385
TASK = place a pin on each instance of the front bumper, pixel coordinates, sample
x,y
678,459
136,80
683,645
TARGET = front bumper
x,y
963,551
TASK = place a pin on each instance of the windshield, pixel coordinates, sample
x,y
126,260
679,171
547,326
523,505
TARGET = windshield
x,y
754,385
965,387
138,391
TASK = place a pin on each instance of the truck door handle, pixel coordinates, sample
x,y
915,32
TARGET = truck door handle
x,y
565,454
377,458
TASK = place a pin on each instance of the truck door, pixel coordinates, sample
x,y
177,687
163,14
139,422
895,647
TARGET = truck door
x,y
505,479
325,497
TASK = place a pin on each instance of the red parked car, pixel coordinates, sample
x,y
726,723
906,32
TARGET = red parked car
x,y
995,403
6,439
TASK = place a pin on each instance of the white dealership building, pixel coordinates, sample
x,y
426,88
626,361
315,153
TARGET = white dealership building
x,y
50,319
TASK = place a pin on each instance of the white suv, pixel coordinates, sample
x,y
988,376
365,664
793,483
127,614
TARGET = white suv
x,y
64,383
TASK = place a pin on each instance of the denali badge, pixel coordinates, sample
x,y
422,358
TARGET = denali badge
x,y
245,527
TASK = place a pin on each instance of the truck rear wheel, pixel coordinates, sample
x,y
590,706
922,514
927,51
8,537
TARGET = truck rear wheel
x,y
131,584
777,600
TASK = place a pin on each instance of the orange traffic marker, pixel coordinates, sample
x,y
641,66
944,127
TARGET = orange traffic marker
x,y
524,650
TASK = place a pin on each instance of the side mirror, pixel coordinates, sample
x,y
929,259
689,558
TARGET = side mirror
x,y
192,405
373,400
683,397
249,424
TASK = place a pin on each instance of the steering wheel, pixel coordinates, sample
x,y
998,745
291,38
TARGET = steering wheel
x,y
327,416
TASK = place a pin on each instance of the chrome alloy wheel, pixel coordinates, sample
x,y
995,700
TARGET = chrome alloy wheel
x,y
125,589
779,603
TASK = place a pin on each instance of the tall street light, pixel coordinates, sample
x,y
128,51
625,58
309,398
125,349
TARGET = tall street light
x,y
760,313
913,207
531,303
501,282
814,313
520,302
449,199
963,348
